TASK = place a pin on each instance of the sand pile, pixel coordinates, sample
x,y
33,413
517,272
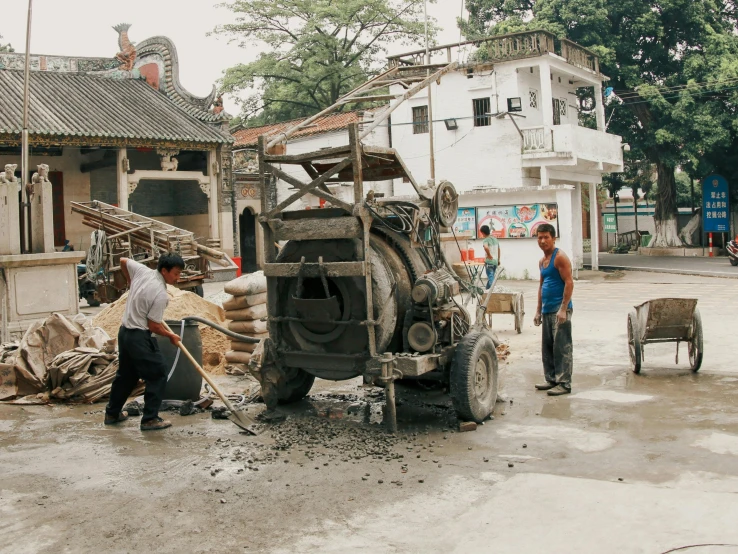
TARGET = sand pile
x,y
181,304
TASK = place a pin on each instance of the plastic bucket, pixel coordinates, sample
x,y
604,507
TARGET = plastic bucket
x,y
470,254
185,382
464,255
237,261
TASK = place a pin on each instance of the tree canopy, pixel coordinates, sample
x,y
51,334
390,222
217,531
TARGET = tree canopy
x,y
318,50
673,65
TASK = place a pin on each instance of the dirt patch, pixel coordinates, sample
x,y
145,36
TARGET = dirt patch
x,y
181,304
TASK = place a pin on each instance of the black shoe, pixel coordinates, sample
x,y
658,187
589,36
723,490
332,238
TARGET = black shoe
x,y
112,420
545,386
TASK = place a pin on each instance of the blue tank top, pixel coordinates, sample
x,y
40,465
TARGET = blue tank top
x,y
552,291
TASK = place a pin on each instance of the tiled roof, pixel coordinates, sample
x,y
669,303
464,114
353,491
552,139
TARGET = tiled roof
x,y
65,104
333,122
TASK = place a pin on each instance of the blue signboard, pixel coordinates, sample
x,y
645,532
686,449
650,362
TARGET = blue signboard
x,y
715,204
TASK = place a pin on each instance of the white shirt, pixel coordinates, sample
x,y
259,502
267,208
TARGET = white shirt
x,y
147,298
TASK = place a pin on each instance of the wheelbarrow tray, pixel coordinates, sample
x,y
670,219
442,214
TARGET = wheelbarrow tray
x,y
665,319
504,302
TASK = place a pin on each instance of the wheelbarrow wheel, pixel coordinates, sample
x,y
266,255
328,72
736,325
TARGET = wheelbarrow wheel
x,y
473,377
695,342
519,313
634,342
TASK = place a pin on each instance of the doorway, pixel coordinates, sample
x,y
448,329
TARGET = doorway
x,y
57,195
247,225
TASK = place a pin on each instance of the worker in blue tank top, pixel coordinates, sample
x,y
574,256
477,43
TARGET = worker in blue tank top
x,y
554,312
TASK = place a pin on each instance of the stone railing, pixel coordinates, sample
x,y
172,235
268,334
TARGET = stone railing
x,y
579,56
534,140
502,48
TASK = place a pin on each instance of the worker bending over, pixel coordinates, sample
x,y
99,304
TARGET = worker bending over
x,y
139,356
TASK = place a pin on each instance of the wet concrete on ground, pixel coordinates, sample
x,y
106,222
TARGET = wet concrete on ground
x,y
627,463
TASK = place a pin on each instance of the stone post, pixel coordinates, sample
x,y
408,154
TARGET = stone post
x,y
9,212
213,170
42,212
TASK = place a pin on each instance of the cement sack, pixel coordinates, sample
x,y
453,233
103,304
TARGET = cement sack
x,y
237,357
242,346
240,302
247,314
248,327
246,285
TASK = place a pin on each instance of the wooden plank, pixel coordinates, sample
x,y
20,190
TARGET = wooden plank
x,y
320,229
305,188
332,269
335,152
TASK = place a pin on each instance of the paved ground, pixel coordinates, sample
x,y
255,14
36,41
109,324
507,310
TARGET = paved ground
x,y
628,463
709,267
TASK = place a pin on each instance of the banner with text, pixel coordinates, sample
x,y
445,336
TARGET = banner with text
x,y
715,204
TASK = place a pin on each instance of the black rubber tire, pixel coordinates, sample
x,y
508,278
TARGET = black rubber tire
x,y
198,290
91,301
297,387
474,377
733,261
634,343
695,344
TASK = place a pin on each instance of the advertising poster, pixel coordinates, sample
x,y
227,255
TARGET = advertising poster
x,y
466,222
517,222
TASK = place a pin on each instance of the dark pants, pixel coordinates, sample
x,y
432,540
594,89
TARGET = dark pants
x,y
139,358
490,269
557,350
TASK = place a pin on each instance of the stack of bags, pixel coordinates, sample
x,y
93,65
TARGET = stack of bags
x,y
246,311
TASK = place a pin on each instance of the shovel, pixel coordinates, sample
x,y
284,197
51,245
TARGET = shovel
x,y
240,418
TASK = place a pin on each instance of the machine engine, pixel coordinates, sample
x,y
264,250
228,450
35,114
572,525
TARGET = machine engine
x,y
435,319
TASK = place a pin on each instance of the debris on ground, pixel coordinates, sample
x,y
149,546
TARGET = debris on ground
x,y
503,352
465,426
181,304
58,357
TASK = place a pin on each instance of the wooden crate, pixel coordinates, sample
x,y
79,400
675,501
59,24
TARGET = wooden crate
x,y
502,303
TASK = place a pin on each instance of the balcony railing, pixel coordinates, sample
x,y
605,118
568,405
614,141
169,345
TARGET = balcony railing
x,y
504,48
586,144
534,140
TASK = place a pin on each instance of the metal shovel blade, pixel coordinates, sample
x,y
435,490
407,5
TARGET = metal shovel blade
x,y
246,423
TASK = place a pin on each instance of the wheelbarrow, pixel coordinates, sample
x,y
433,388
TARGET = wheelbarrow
x,y
665,320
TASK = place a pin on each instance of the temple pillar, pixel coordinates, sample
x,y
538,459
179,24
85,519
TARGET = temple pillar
x,y
212,186
122,174
42,212
9,213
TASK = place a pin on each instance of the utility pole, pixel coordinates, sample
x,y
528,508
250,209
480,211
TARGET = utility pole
x,y
26,231
430,99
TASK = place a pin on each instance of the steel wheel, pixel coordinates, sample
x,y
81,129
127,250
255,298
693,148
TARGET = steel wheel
x,y
634,342
695,342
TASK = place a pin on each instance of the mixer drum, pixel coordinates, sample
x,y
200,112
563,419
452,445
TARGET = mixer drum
x,y
345,301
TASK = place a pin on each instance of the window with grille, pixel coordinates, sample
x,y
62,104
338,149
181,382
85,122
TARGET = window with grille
x,y
420,120
533,94
481,109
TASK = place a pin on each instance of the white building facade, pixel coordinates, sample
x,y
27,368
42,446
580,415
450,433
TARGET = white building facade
x,y
507,134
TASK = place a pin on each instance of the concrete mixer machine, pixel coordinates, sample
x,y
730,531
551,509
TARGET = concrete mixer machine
x,y
363,287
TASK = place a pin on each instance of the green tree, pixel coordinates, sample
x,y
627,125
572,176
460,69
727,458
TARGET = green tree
x,y
5,47
672,63
317,50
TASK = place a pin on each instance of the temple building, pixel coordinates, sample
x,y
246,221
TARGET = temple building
x,y
122,130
